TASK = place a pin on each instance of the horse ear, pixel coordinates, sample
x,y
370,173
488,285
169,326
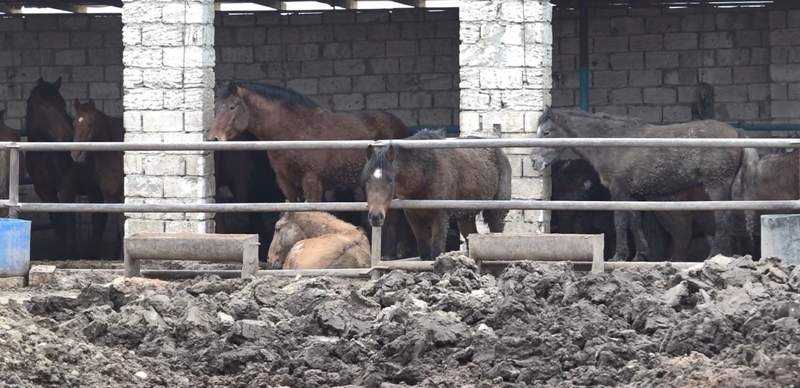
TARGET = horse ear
x,y
370,151
587,184
241,91
391,152
40,81
58,83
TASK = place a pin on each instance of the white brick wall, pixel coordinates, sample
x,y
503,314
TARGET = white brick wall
x,y
505,54
161,54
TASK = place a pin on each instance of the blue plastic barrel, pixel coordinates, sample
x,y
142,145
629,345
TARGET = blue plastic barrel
x,y
15,247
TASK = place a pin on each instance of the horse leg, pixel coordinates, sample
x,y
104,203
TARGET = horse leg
x,y
723,221
679,227
621,225
642,246
439,232
312,188
419,221
467,227
287,186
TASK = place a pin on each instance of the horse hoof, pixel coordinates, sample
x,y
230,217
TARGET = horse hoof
x,y
618,258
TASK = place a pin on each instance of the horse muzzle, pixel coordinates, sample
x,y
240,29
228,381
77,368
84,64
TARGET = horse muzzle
x,y
376,219
78,156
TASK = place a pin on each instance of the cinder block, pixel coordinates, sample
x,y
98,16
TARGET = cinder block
x,y
785,73
742,111
163,35
415,100
302,52
681,41
661,59
70,57
369,49
651,114
716,76
733,93
733,57
41,275
681,77
660,96
676,114
436,116
348,67
785,109
609,79
716,40
626,96
621,61
627,25
645,77
334,51
143,186
696,58
369,83
382,101
335,85
401,48
348,102
651,42
658,24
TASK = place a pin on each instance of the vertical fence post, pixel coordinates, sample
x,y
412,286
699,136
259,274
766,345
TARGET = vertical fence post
x,y
13,181
375,253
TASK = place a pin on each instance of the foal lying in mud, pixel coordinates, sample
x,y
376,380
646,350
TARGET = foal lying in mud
x,y
440,174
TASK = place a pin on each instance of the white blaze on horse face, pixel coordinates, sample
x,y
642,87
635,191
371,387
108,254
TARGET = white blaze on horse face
x,y
377,174
80,119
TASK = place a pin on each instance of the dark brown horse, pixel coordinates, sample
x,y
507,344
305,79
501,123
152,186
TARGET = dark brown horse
x,y
6,134
274,113
54,176
463,173
92,125
249,177
649,174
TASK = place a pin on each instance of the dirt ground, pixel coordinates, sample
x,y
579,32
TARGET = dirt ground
x,y
729,322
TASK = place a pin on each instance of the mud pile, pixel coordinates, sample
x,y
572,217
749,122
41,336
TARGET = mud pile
x,y
728,322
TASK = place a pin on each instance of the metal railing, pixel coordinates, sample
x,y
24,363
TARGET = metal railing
x,y
15,206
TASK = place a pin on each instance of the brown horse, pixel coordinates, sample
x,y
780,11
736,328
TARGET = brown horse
x,y
649,174
270,112
463,173
92,125
6,134
275,113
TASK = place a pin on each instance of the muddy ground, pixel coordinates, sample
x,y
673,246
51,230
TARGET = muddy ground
x,y
726,323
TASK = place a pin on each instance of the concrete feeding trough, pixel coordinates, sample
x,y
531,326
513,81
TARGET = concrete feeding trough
x,y
505,248
219,248
780,237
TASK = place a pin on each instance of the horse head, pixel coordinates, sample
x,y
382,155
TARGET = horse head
x,y
232,115
88,126
47,111
546,128
378,178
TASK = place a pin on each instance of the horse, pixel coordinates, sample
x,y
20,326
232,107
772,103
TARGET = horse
x,y
54,175
249,177
456,174
764,178
313,240
637,174
92,125
6,134
271,112
668,234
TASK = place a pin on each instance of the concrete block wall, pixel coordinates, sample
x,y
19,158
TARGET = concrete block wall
x,y
404,61
84,50
647,63
169,97
505,56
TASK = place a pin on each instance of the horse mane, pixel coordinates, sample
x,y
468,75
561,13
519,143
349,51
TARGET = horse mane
x,y
272,92
428,134
602,122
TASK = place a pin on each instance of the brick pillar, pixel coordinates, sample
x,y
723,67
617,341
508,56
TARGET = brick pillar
x,y
505,55
168,97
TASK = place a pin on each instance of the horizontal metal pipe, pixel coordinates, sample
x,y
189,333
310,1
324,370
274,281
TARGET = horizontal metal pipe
x,y
34,207
405,265
448,143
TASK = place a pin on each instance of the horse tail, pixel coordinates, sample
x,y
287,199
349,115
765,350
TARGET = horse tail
x,y
496,218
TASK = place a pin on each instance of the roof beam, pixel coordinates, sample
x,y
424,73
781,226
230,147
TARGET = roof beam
x,y
413,3
276,4
346,4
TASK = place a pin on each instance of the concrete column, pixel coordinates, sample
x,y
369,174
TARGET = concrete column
x,y
506,57
168,85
